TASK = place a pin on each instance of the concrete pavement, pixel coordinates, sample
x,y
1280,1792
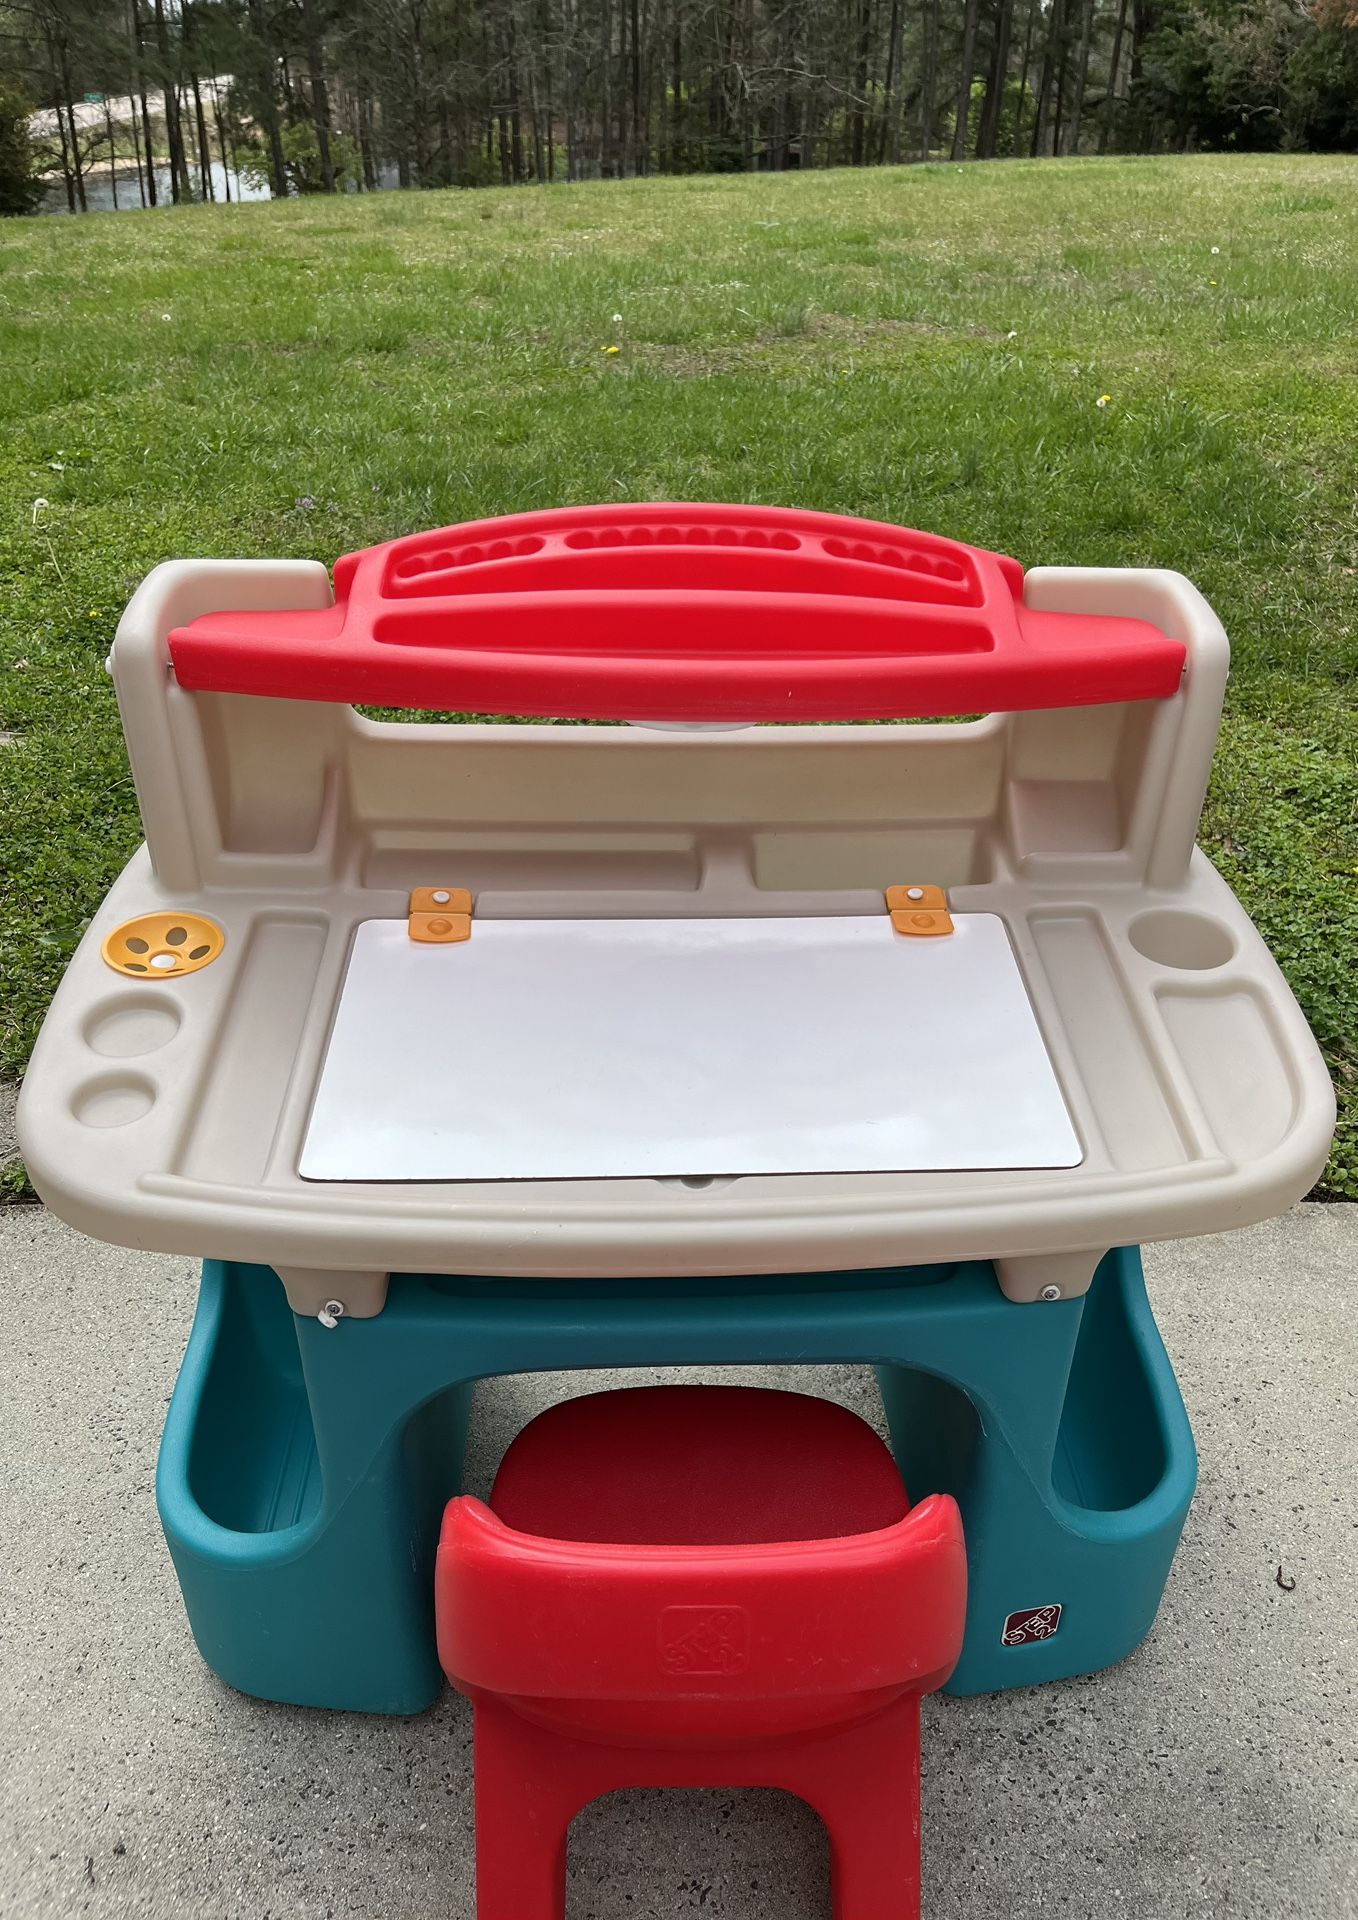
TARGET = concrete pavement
x,y
1212,1774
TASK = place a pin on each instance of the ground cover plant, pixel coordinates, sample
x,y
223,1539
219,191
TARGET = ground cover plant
x,y
1097,362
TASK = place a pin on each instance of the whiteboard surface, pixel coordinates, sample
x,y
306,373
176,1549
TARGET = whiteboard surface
x,y
587,1049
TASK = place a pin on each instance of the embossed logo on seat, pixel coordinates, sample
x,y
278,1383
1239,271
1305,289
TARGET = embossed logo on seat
x,y
704,1640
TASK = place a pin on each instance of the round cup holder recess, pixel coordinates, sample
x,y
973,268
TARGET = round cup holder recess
x,y
124,1027
1176,937
115,1100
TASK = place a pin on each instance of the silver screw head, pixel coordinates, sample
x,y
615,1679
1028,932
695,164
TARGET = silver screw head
x,y
1051,1293
331,1314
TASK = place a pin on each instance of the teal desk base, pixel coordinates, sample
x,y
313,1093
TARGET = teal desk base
x,y
304,1471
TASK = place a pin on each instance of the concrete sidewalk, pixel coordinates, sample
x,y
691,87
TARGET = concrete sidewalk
x,y
1212,1774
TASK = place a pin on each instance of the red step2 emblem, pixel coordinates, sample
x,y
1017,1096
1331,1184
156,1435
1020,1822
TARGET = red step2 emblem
x,y
1031,1623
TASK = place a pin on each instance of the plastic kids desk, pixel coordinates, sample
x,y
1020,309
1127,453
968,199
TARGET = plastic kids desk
x,y
680,1077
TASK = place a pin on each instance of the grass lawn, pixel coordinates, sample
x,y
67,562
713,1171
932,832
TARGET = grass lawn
x,y
924,345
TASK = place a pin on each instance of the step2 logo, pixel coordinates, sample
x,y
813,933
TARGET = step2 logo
x,y
704,1640
1031,1623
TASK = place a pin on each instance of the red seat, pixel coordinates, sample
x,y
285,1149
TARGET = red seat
x,y
698,1587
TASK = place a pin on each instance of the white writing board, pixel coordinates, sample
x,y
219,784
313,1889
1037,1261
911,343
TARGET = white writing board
x,y
587,1049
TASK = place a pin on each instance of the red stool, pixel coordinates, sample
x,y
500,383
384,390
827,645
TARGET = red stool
x,y
698,1587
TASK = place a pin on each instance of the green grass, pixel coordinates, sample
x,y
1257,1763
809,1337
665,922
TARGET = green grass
x,y
925,346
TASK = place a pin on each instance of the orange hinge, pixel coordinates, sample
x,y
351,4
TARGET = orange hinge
x,y
919,911
440,916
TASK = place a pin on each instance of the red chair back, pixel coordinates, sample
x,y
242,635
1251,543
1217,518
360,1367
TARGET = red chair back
x,y
608,1643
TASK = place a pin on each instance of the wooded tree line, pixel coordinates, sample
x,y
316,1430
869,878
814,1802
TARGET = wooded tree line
x,y
330,95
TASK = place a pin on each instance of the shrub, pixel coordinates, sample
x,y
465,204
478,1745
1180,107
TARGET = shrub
x,y
20,188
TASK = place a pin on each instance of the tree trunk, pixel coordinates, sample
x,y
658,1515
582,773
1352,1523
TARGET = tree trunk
x,y
1081,78
67,174
893,80
221,139
959,138
515,111
857,119
890,83
637,137
181,100
785,113
987,138
320,99
607,161
112,152
1106,117
677,90
419,118
268,99
136,148
139,78
1144,23
1023,76
568,92
535,122
204,150
444,158
1059,100
150,152
365,139
75,160
897,140
188,37
76,167
1056,24
179,173
57,58
928,77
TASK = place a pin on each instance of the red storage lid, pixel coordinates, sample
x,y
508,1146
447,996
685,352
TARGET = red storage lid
x,y
680,613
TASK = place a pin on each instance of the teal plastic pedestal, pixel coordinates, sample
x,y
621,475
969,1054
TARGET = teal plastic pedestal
x,y
304,1471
